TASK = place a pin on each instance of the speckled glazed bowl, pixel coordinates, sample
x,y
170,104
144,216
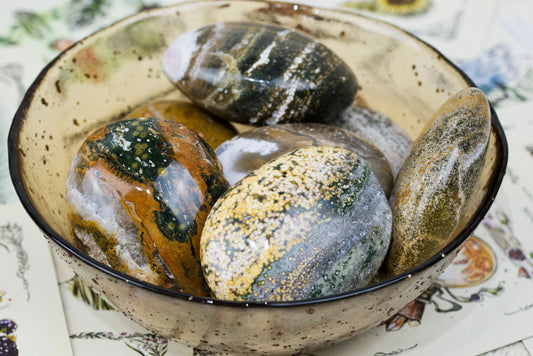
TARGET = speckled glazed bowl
x,y
116,70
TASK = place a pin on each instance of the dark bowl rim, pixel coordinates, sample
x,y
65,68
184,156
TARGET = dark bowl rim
x,y
50,233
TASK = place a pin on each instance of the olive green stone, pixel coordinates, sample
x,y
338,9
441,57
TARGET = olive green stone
x,y
437,180
310,223
251,149
259,74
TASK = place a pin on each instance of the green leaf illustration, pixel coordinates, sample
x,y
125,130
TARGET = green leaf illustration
x,y
11,235
81,290
82,12
148,344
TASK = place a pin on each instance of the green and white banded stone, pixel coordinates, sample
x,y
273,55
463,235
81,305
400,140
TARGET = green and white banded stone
x,y
312,222
259,74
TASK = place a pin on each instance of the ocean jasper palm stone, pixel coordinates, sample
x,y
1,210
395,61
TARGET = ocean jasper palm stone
x,y
438,178
138,194
380,130
312,222
259,74
251,149
213,130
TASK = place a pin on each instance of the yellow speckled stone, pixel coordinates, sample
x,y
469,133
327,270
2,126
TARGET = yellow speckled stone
x,y
435,184
312,222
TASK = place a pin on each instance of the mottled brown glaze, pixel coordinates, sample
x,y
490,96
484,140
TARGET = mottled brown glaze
x,y
436,182
138,193
251,149
213,130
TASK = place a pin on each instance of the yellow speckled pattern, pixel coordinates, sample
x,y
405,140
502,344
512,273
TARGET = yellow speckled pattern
x,y
436,181
313,221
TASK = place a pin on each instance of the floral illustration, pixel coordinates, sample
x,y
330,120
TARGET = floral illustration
x,y
34,25
8,345
11,92
499,227
497,71
148,344
443,299
11,239
58,27
474,264
75,14
396,7
4,301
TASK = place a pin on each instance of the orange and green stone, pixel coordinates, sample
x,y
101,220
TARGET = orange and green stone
x,y
139,191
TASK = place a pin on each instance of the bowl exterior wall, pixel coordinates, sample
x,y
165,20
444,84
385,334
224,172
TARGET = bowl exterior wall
x,y
253,329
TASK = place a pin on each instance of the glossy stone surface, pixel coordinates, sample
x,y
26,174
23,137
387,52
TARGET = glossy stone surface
x,y
434,186
378,129
213,130
251,149
312,222
138,194
259,74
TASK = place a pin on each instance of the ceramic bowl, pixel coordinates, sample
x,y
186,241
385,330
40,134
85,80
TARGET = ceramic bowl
x,y
110,73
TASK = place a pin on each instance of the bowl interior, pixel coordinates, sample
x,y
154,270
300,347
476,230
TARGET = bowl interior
x,y
108,74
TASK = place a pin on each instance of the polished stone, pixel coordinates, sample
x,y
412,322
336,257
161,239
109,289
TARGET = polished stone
x,y
251,149
213,130
259,74
437,180
138,194
310,223
378,129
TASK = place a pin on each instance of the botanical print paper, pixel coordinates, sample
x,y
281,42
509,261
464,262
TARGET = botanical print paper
x,y
528,344
96,329
504,67
489,39
446,25
29,297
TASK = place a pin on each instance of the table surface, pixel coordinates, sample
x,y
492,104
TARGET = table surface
x,y
491,40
